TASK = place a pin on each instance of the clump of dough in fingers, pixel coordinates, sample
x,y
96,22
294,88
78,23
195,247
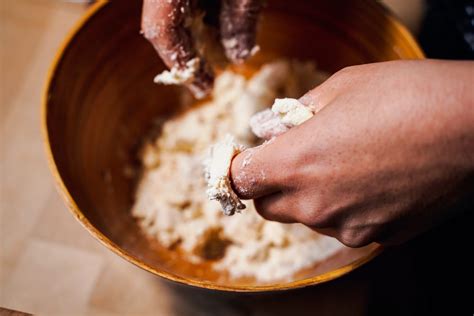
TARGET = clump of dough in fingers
x,y
166,24
284,114
217,169
177,32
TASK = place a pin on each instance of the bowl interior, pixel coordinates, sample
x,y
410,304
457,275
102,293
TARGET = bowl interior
x,y
101,102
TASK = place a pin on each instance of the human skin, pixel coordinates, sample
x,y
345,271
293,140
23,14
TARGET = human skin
x,y
390,148
165,23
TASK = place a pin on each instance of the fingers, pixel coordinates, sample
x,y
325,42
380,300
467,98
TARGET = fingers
x,y
260,170
166,24
238,22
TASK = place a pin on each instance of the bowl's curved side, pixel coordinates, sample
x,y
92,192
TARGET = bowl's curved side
x,y
61,186
414,51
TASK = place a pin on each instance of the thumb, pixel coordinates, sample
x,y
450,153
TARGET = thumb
x,y
258,172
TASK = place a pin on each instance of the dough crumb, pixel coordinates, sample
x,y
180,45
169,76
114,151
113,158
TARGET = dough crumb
x,y
217,168
291,112
179,75
284,114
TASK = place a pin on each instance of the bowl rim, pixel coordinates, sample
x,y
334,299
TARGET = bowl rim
x,y
77,213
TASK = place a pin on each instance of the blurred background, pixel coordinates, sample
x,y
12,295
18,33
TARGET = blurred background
x,y
50,265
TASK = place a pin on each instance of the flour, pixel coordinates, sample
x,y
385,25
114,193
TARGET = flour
x,y
170,202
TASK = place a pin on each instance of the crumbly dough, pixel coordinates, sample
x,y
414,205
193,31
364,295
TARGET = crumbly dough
x,y
217,167
179,75
291,112
283,115
170,202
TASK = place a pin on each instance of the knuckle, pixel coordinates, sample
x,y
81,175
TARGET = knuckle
x,y
313,212
354,239
314,217
264,208
306,218
346,71
265,215
345,75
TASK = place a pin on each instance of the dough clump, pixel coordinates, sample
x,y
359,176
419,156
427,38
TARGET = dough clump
x,y
291,112
217,168
176,76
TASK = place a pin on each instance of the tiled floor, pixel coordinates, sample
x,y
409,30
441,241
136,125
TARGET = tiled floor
x,y
59,269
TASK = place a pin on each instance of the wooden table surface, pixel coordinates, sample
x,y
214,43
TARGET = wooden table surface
x,y
64,271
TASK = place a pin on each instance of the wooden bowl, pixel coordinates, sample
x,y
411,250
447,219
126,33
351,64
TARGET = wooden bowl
x,y
100,102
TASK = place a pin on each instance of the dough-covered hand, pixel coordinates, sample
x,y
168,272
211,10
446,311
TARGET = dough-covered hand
x,y
167,25
391,145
